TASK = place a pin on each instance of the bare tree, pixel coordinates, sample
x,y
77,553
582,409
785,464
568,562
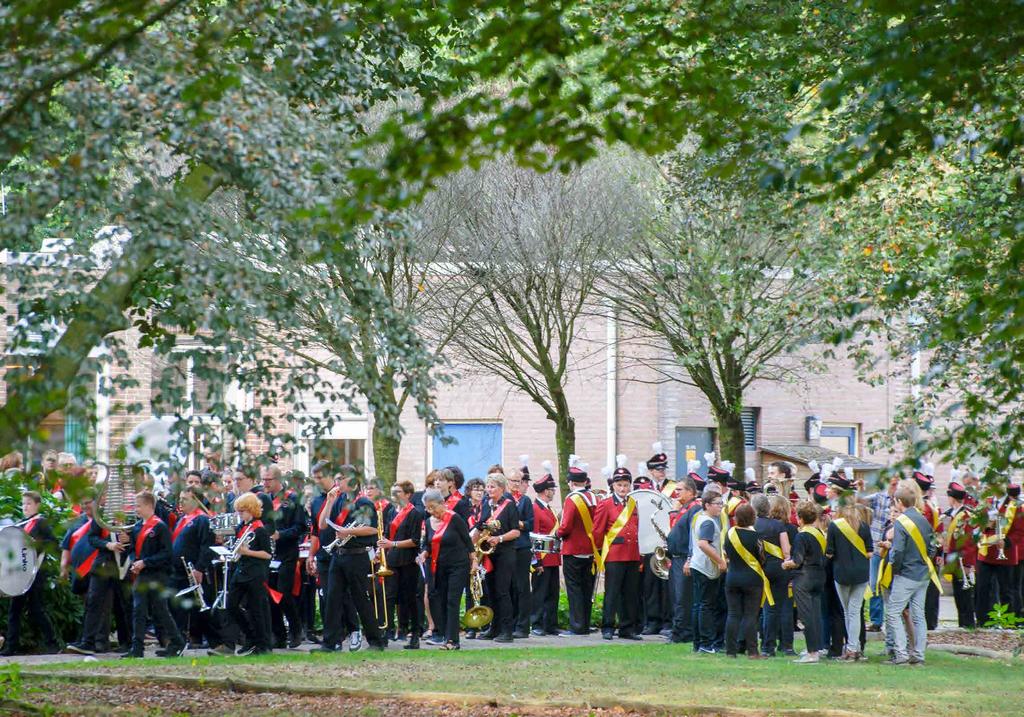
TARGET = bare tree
x,y
722,290
528,253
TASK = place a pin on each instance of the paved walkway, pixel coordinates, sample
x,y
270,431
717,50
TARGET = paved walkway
x,y
947,620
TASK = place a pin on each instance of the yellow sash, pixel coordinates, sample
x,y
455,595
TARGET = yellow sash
x,y
616,528
588,525
773,550
669,488
819,536
847,530
987,540
732,504
750,560
918,539
723,518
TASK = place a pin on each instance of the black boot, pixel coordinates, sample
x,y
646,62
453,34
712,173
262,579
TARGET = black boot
x,y
413,644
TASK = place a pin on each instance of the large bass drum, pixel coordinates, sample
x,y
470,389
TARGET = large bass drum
x,y
18,561
652,509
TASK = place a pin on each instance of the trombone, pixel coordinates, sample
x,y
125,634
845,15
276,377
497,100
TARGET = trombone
x,y
383,571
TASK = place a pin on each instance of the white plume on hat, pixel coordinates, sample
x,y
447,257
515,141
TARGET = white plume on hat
x,y
606,472
848,472
928,469
836,463
709,459
641,468
524,461
727,466
954,475
813,465
620,460
826,470
574,461
656,447
692,466
748,475
547,468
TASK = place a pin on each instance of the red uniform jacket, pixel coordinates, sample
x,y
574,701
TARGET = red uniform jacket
x,y
1013,530
544,522
626,545
571,531
960,540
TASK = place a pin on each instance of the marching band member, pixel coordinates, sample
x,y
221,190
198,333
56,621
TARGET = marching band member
x,y
319,561
848,546
616,533
290,525
808,559
149,543
447,550
191,539
350,566
998,554
248,598
960,552
880,503
1017,539
522,592
706,564
780,509
501,514
655,603
680,577
580,558
401,542
912,570
545,586
746,584
447,481
776,546
37,529
926,482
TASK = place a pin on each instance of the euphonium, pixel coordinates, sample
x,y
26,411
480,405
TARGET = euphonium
x,y
485,531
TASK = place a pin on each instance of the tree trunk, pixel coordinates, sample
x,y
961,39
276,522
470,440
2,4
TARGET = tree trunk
x,y
565,445
386,447
731,438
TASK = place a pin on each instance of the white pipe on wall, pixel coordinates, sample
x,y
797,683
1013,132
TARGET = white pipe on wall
x,y
611,388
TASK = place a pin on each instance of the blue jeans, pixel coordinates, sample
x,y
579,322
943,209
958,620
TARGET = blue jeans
x,y
876,607
681,586
906,593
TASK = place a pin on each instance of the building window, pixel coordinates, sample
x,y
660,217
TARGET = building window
x,y
474,447
841,437
749,417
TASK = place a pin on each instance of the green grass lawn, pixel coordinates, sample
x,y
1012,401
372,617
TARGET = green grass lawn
x,y
669,675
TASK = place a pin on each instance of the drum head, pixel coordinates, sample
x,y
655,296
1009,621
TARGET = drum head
x,y
17,561
652,509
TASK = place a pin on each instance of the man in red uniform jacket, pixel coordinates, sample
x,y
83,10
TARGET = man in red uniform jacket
x,y
579,549
998,558
960,552
545,570
616,532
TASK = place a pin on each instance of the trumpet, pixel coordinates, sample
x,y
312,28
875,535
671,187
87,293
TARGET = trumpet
x,y
340,542
193,586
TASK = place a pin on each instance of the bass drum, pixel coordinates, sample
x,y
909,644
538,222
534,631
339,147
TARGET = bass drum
x,y
18,561
652,509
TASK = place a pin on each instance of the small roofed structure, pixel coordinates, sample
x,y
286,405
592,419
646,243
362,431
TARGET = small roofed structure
x,y
801,454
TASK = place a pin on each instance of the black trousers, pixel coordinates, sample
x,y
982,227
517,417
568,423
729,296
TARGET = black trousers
x,y
963,597
350,619
994,585
249,610
408,598
655,599
32,600
777,622
149,600
579,590
449,582
931,606
744,605
681,592
522,603
99,597
808,591
192,623
709,630
288,609
1017,580
621,593
545,590
349,583
834,618
499,590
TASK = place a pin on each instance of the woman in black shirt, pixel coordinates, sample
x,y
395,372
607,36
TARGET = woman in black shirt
x,y
849,547
744,586
808,559
248,600
446,548
401,540
502,518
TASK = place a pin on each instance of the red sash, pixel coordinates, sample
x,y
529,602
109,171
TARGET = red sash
x,y
86,567
453,500
435,542
147,528
496,513
396,522
314,540
274,594
30,525
184,523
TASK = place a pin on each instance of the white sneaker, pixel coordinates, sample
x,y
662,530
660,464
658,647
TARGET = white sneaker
x,y
807,660
355,641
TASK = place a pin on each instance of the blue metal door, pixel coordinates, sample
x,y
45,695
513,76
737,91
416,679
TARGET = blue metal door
x,y
693,443
473,447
